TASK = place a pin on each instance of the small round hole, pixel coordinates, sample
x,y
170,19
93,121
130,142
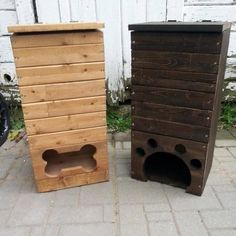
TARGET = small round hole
x,y
152,143
140,152
180,148
196,164
7,77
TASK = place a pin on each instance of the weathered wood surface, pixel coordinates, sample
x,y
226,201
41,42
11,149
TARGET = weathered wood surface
x,y
175,97
176,42
192,62
64,123
43,56
52,92
179,130
174,79
172,113
60,73
64,107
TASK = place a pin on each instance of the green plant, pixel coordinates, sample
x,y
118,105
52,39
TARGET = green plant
x,y
118,118
228,114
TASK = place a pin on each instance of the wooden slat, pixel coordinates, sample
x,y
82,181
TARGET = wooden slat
x,y
54,27
54,55
56,39
202,63
184,131
64,107
175,97
172,113
174,79
176,42
53,140
52,92
64,123
60,73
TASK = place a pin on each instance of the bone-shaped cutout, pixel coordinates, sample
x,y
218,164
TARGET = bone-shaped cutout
x,y
57,162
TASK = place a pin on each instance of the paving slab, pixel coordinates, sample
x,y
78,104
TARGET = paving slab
x,y
162,228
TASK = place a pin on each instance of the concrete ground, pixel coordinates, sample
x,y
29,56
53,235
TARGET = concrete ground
x,y
122,206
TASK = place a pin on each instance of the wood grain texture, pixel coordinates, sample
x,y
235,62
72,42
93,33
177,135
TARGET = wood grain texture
x,y
40,56
56,39
176,42
53,140
63,107
52,92
192,62
167,128
54,27
172,113
175,97
64,123
174,79
60,73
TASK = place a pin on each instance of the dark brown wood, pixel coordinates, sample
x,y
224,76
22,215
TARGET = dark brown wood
x,y
193,62
179,130
173,97
164,79
172,113
176,42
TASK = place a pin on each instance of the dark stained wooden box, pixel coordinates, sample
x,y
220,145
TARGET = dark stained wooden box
x,y
177,77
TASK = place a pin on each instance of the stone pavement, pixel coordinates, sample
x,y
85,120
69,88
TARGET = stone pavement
x,y
121,206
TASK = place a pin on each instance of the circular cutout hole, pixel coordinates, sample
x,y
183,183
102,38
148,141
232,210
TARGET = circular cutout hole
x,y
196,164
180,148
152,143
140,152
7,77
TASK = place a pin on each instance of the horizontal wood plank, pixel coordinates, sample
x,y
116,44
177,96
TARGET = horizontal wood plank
x,y
175,97
53,140
52,92
56,39
64,107
192,62
178,130
175,80
176,42
172,113
55,55
60,73
64,123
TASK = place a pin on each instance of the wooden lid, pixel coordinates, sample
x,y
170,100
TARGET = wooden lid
x,y
55,27
181,26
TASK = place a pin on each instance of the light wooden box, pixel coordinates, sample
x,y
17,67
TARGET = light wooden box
x,y
60,68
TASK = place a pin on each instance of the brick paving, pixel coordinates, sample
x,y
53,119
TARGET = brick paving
x,y
120,207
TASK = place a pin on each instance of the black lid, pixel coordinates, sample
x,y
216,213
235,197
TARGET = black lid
x,y
181,26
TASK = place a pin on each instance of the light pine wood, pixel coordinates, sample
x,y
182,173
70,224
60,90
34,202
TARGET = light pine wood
x,y
54,140
60,73
64,107
63,123
56,39
54,27
40,56
52,92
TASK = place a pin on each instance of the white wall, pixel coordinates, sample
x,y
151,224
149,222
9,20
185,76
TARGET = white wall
x,y
116,14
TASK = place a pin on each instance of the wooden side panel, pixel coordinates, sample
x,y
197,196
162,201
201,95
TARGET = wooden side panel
x,y
202,63
56,39
179,130
53,140
60,73
64,123
172,113
54,55
175,97
64,107
54,92
177,42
